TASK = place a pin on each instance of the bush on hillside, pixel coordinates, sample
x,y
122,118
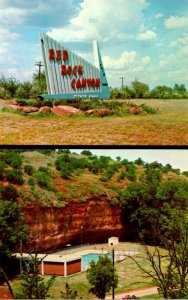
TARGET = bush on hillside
x,y
14,176
29,169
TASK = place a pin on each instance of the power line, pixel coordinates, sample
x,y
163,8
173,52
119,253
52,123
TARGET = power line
x,y
39,64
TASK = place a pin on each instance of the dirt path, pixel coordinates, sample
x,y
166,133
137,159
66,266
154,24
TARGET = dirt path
x,y
137,292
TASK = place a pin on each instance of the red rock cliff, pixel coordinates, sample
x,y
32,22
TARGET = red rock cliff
x,y
77,223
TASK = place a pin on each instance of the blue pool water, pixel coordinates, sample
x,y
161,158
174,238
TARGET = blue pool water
x,y
87,258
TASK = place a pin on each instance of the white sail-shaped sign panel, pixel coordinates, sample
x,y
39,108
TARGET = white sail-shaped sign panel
x,y
69,76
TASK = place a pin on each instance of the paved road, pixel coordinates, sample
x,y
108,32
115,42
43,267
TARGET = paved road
x,y
138,293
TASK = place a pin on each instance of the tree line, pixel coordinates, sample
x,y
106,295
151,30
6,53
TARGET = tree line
x,y
12,88
140,90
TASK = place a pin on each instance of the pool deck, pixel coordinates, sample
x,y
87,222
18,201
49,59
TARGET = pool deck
x,y
121,251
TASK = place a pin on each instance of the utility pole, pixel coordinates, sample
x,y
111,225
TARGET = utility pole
x,y
39,64
122,81
113,292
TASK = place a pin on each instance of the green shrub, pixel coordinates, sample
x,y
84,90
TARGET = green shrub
x,y
31,182
21,102
104,178
185,173
14,176
131,176
24,89
43,179
121,176
149,109
66,171
29,169
9,192
60,196
44,170
37,89
4,94
11,158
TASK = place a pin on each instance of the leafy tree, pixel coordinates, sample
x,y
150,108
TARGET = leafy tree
x,y
163,92
33,285
12,230
185,173
141,90
87,153
169,267
64,151
180,91
167,168
172,194
102,276
139,161
69,293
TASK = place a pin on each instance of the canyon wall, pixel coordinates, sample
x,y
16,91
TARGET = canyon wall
x,y
77,223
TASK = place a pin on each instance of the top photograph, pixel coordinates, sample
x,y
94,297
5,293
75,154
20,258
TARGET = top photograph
x,y
96,73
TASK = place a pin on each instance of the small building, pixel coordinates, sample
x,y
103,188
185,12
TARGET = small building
x,y
53,264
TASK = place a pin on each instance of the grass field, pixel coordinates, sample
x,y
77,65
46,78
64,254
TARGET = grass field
x,y
168,127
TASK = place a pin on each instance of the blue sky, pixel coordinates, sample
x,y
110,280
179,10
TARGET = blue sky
x,y
143,39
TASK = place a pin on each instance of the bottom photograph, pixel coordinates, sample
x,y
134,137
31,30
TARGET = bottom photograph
x,y
93,223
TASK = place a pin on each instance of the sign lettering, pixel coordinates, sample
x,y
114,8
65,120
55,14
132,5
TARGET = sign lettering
x,y
69,75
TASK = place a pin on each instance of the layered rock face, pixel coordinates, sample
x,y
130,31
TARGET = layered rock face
x,y
78,223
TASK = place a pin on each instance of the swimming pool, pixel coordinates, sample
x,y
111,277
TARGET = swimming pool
x,y
87,258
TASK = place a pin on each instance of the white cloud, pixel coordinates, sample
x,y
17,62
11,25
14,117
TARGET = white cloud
x,y
184,51
145,60
183,40
7,35
126,58
12,16
19,73
159,15
106,20
176,22
147,35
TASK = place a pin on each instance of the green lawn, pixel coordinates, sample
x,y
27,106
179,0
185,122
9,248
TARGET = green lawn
x,y
168,127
